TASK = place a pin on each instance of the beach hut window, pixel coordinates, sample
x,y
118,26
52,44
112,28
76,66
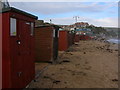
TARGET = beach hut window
x,y
54,33
58,33
32,29
13,27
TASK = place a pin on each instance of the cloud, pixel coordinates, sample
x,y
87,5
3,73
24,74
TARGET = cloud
x,y
88,9
59,8
106,22
64,0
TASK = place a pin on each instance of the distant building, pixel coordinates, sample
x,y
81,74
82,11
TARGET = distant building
x,y
84,31
81,24
76,26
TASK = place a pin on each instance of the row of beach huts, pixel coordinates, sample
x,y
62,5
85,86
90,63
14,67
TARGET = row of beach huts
x,y
23,44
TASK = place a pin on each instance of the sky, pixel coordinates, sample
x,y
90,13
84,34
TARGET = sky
x,y
103,14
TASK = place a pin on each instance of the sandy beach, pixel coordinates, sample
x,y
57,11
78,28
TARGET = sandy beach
x,y
87,64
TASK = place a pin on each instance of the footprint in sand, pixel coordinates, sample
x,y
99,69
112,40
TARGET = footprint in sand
x,y
88,68
86,62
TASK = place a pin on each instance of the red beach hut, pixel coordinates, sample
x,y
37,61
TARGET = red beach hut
x,y
71,37
77,38
63,40
17,48
46,43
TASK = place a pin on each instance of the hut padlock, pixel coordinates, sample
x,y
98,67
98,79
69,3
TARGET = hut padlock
x,y
19,74
18,42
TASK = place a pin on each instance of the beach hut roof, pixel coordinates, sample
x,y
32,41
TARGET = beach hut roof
x,y
17,11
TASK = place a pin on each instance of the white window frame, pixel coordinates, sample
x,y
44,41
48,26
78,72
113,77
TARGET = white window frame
x,y
53,32
58,33
32,29
13,27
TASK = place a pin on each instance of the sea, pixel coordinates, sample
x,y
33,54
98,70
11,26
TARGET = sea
x,y
116,45
117,41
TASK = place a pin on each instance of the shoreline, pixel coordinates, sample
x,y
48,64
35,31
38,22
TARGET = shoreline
x,y
109,45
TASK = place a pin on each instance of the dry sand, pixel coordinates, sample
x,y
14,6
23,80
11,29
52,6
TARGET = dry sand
x,y
87,64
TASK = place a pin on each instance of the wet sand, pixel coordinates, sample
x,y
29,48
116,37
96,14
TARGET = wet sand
x,y
87,64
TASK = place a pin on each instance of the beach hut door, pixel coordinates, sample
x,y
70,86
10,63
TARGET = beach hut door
x,y
20,52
